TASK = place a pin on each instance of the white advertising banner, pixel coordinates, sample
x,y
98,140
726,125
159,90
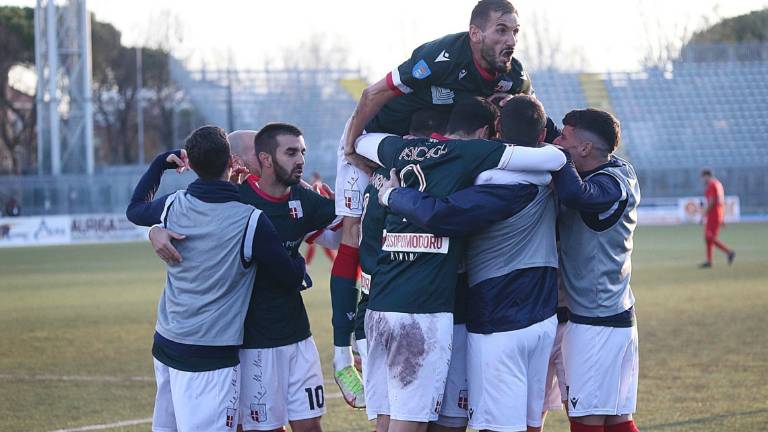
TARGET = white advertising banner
x,y
34,230
691,209
57,230
658,215
104,228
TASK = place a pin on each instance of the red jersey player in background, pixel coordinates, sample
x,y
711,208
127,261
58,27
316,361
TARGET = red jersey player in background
x,y
323,189
714,213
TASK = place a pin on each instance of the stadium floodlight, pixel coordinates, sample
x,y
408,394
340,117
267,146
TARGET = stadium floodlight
x,y
64,95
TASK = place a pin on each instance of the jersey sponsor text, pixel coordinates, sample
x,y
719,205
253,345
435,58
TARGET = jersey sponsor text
x,y
419,153
415,242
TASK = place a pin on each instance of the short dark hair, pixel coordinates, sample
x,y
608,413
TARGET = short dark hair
x,y
482,11
707,172
472,114
427,121
266,140
522,120
600,123
208,152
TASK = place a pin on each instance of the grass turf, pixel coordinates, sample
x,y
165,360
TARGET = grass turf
x,y
76,324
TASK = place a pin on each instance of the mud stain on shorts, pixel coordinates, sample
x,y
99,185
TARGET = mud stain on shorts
x,y
408,351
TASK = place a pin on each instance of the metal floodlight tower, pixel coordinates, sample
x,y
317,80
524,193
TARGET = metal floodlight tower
x,y
64,103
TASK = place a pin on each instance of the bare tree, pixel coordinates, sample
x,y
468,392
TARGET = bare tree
x,y
663,46
318,51
116,94
542,46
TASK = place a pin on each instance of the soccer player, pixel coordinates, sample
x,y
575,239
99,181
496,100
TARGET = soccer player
x,y
599,194
409,323
283,381
512,271
424,123
478,62
713,217
241,142
195,348
371,236
317,185
427,121
555,391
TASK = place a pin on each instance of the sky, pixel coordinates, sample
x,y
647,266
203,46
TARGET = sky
x,y
589,35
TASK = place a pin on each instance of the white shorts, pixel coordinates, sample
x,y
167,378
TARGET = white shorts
x,y
555,390
362,349
455,397
506,373
195,401
408,357
350,183
601,369
280,385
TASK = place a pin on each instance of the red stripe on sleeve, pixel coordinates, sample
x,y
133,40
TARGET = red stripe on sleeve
x,y
392,86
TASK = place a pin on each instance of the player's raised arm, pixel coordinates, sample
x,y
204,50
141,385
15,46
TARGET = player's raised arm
x,y
263,246
371,101
426,66
144,209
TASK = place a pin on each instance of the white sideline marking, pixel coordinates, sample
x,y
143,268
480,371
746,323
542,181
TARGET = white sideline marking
x,y
26,377
107,425
123,423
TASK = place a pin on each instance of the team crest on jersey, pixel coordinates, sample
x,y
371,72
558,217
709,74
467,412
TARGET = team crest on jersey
x,y
259,412
353,199
295,210
503,86
442,96
231,415
463,400
421,70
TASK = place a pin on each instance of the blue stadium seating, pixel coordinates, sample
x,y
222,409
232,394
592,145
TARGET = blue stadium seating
x,y
700,114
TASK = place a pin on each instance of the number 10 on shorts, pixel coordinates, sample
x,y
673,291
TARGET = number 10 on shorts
x,y
315,397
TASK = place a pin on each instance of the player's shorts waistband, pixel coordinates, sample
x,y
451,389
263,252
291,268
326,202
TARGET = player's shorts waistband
x,y
620,320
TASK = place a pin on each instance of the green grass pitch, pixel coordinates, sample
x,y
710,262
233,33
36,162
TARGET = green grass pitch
x,y
76,326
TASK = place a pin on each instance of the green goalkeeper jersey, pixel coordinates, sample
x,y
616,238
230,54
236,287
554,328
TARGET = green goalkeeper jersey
x,y
416,271
439,74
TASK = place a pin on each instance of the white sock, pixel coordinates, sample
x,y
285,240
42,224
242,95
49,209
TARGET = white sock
x,y
342,357
362,349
